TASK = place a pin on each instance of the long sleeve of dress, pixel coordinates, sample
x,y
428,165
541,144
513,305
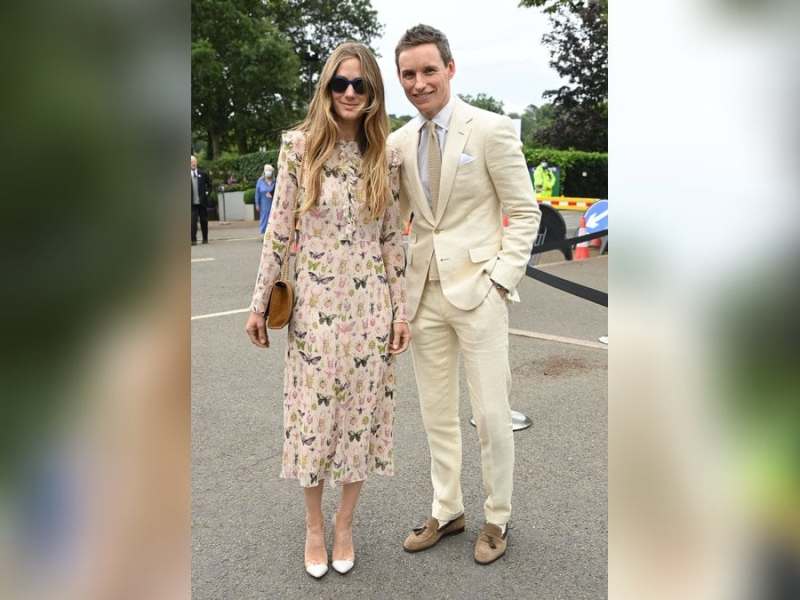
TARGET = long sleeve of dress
x,y
281,219
394,256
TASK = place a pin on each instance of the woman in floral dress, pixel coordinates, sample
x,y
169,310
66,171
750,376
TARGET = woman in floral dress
x,y
340,184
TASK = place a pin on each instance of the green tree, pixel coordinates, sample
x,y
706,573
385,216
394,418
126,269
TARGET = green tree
x,y
209,106
244,75
484,101
316,27
578,46
536,121
551,6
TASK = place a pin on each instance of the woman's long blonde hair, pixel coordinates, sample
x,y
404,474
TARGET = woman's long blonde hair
x,y
321,131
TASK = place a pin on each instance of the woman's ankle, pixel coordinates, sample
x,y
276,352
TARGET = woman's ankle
x,y
344,518
315,523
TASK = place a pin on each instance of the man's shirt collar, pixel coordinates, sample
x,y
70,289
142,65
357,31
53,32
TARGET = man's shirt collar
x,y
442,118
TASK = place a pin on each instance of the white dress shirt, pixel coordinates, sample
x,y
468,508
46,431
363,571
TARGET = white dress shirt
x,y
195,192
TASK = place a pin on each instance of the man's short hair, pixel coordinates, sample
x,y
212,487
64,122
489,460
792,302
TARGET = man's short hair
x,y
423,34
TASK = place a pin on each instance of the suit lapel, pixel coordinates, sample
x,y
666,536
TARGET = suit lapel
x,y
420,205
456,139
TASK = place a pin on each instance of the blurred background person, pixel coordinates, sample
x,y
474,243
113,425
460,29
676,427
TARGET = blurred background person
x,y
543,180
265,187
200,191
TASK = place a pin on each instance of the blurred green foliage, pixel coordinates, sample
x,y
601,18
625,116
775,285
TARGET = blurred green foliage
x,y
758,328
100,113
250,196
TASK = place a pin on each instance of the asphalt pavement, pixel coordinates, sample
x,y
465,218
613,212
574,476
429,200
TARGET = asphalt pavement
x,y
248,530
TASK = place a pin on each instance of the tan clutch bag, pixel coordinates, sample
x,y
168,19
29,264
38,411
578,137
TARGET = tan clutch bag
x,y
281,296
281,299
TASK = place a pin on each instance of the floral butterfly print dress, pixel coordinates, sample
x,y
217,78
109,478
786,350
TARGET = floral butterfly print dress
x,y
349,285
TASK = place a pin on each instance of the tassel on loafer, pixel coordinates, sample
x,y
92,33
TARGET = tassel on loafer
x,y
491,544
429,534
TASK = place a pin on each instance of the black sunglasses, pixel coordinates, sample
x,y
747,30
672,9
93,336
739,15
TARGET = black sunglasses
x,y
339,85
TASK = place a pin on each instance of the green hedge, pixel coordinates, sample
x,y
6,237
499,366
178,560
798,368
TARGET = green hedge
x,y
246,169
573,163
250,196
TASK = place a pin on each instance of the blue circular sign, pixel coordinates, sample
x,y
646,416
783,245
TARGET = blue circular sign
x,y
597,217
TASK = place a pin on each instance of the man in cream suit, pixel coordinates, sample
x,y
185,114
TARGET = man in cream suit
x,y
462,169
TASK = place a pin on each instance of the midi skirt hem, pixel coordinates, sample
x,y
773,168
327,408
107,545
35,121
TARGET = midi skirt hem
x,y
305,479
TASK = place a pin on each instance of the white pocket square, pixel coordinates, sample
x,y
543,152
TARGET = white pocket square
x,y
465,159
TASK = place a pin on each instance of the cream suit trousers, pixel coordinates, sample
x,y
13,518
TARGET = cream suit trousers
x,y
439,331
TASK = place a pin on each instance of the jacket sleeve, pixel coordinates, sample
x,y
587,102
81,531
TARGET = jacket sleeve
x,y
394,256
509,175
280,227
395,141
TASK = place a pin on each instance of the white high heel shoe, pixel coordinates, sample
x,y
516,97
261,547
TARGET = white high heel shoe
x,y
343,567
317,570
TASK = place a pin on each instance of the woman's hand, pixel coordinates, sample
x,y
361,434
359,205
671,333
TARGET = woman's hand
x,y
256,329
401,337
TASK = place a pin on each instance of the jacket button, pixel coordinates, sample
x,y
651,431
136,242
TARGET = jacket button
x,y
436,231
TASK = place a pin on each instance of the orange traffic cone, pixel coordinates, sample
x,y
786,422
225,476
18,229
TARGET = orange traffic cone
x,y
582,249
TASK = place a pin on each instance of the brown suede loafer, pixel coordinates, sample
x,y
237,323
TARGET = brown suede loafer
x,y
491,544
429,534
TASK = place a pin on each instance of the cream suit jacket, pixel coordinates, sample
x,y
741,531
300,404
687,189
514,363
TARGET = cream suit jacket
x,y
483,175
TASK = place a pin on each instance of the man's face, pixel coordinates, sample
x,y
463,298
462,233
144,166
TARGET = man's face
x,y
425,78
193,162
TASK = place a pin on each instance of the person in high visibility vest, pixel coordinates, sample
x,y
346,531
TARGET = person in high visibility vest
x,y
543,180
556,173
